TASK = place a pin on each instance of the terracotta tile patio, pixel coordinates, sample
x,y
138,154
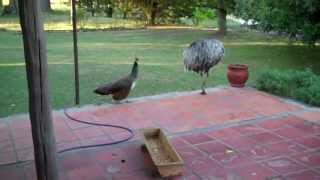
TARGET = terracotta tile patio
x,y
229,134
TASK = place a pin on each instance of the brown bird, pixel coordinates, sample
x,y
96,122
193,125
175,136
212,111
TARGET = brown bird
x,y
121,88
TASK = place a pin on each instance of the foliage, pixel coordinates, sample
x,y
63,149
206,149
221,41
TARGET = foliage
x,y
229,4
301,85
166,11
82,17
11,8
202,14
125,7
97,6
172,10
152,9
247,9
183,9
294,18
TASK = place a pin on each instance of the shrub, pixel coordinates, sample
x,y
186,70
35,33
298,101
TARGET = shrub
x,y
273,81
202,14
300,85
82,17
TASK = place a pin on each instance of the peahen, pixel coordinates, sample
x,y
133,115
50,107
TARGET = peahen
x,y
121,88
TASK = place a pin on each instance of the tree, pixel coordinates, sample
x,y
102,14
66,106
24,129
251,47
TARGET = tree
x,y
12,8
292,18
151,8
222,17
172,9
223,7
183,9
97,6
88,5
45,5
108,6
125,7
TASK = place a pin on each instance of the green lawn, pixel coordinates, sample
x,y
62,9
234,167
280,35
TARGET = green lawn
x,y
106,56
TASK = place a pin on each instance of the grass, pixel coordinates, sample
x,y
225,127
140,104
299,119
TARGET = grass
x,y
106,56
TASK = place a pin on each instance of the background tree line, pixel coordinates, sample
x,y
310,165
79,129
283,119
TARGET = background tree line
x,y
163,11
12,6
294,18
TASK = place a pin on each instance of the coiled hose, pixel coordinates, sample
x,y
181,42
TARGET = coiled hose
x,y
96,124
85,146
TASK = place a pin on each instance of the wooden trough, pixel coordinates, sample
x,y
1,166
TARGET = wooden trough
x,y
163,155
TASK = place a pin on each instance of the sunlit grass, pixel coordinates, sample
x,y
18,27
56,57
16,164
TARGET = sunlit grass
x,y
9,24
59,20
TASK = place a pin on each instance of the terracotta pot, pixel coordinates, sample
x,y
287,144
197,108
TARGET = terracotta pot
x,y
237,75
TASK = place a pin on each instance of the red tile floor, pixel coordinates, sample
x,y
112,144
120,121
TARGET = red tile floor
x,y
229,134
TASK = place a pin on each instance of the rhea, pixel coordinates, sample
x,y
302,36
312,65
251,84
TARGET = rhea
x,y
201,56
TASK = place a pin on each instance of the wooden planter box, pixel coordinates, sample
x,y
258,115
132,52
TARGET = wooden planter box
x,y
163,155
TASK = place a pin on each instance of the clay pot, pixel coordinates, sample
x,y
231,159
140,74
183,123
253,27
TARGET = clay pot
x,y
237,75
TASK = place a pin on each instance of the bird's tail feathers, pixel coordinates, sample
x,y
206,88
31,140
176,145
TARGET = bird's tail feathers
x,y
101,91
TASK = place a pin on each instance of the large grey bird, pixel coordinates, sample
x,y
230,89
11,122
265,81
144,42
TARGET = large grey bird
x,y
201,56
121,88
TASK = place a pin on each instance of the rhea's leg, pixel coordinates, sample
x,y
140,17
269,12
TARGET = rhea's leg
x,y
116,102
128,101
124,101
204,85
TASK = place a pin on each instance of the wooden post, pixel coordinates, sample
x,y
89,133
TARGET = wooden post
x,y
75,52
39,105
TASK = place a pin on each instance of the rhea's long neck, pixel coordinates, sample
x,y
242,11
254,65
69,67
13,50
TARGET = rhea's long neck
x,y
134,71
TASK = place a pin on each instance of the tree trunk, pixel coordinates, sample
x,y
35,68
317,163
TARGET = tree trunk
x,y
39,102
222,17
45,5
12,8
153,18
109,12
148,15
90,3
125,14
153,13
